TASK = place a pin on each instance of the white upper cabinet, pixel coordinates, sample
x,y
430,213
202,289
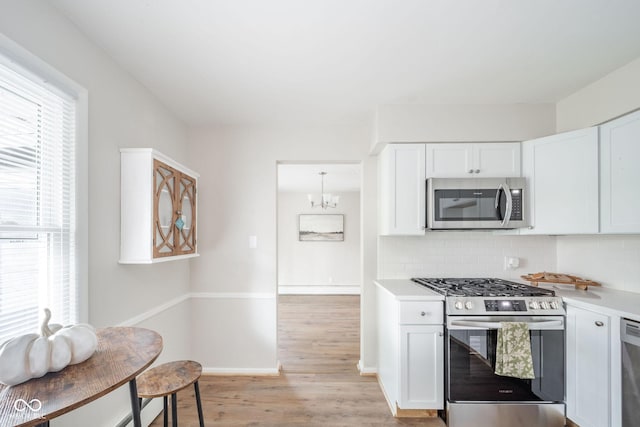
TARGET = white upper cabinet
x,y
457,160
620,175
562,183
158,208
402,188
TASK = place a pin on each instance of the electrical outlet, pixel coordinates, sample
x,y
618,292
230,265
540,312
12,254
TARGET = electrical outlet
x,y
511,262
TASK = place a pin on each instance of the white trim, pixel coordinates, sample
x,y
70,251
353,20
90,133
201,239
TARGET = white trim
x,y
166,159
175,301
241,371
233,295
154,311
319,290
157,260
365,370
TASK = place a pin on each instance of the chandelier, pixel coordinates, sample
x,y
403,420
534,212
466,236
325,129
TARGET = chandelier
x,y
326,199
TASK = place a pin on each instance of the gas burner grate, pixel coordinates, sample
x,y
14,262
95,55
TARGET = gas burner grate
x,y
481,287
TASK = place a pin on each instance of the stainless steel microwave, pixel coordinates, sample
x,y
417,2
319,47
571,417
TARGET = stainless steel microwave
x,y
475,203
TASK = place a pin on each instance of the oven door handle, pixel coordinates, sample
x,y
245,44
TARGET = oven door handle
x,y
498,325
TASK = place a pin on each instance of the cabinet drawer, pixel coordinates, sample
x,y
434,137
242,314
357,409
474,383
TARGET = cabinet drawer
x,y
421,312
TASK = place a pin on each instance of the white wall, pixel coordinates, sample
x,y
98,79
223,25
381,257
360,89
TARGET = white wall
x,y
464,254
318,267
462,123
122,113
612,260
613,95
237,197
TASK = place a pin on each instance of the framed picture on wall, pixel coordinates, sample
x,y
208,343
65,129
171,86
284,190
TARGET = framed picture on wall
x,y
321,228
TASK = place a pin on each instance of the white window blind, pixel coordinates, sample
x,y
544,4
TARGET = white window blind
x,y
37,204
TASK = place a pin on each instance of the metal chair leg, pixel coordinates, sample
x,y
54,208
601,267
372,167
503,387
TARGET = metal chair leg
x,y
166,411
174,410
199,404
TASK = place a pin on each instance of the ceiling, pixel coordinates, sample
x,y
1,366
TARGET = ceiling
x,y
305,178
331,61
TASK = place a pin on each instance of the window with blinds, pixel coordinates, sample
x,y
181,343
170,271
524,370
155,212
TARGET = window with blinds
x,y
37,204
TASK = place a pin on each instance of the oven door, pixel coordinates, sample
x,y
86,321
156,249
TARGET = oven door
x,y
471,346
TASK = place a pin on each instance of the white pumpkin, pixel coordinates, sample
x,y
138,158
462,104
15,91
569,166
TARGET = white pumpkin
x,y
32,355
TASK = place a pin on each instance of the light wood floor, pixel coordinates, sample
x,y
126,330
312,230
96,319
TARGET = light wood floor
x,y
320,385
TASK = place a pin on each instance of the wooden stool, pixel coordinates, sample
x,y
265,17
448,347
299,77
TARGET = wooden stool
x,y
168,379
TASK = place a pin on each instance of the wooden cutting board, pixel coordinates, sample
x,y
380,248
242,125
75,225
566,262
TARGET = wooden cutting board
x,y
565,279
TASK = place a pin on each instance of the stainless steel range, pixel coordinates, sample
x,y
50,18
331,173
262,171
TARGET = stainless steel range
x,y
475,311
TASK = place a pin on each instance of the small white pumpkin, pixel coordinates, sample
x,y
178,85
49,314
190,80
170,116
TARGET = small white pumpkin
x,y
32,355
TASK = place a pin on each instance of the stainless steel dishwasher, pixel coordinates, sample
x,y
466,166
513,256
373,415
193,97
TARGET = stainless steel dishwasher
x,y
630,337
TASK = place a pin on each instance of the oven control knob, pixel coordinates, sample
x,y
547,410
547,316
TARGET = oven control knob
x,y
468,305
554,305
458,305
534,305
545,305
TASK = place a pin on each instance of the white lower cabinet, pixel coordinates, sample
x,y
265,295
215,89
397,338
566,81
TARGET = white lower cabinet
x,y
410,353
588,367
421,367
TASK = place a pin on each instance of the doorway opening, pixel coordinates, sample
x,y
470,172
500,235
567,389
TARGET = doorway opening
x,y
319,266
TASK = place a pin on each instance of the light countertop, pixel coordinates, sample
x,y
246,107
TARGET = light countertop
x,y
605,300
406,290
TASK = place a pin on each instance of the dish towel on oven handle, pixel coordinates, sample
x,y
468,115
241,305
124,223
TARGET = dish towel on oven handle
x,y
513,351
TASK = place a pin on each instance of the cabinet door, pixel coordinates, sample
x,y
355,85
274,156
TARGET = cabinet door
x,y
450,161
421,367
620,175
186,213
402,189
588,364
165,184
497,159
562,183
174,217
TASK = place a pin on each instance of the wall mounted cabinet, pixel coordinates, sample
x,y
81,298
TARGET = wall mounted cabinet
x,y
473,160
562,183
158,208
620,175
402,190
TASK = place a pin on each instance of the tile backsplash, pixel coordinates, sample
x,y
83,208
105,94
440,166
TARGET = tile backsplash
x,y
464,254
614,261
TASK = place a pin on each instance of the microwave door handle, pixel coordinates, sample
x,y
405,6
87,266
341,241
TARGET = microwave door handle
x,y
507,215
497,203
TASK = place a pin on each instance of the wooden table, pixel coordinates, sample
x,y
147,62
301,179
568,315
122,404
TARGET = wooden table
x,y
122,354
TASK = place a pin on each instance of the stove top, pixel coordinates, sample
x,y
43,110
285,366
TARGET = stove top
x,y
483,287
495,297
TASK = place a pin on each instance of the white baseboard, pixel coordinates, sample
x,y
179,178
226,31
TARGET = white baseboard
x,y
319,290
366,370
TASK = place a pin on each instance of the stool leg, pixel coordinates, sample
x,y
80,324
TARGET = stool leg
x,y
174,410
166,411
199,404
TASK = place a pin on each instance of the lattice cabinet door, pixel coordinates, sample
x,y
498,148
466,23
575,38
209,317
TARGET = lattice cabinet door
x,y
185,238
165,214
